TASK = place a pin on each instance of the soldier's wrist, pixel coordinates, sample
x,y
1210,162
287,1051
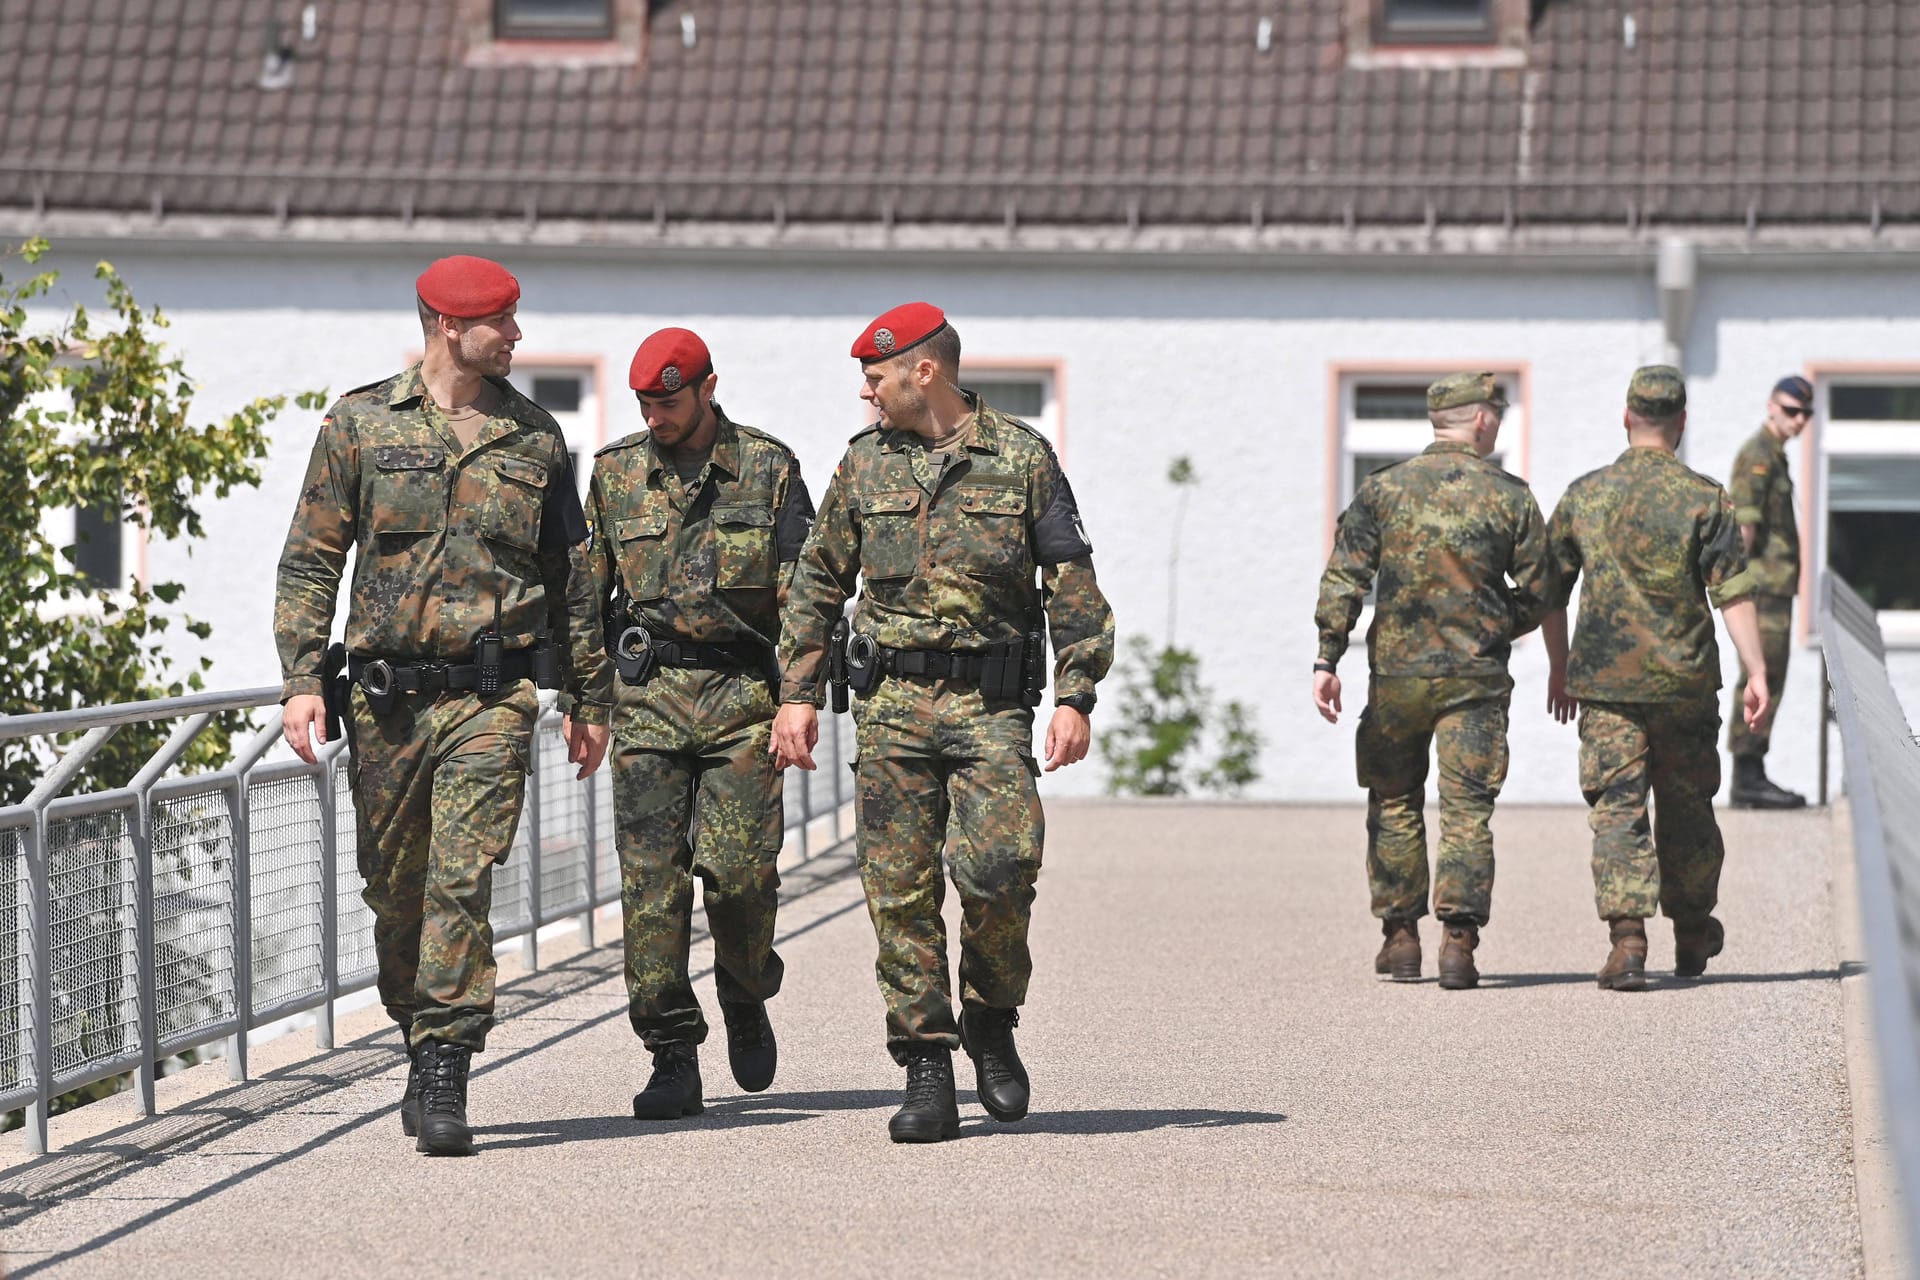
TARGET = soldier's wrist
x,y
1326,666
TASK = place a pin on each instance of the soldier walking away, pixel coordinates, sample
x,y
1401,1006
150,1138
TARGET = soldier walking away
x,y
697,522
942,511
1456,550
1657,542
1762,492
470,589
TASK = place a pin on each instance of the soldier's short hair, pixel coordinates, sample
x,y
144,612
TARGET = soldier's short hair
x,y
1460,415
1656,422
944,348
429,318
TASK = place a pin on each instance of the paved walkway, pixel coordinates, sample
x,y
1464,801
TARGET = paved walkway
x,y
1222,1087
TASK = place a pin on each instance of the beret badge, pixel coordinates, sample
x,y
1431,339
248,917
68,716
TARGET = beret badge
x,y
883,341
670,378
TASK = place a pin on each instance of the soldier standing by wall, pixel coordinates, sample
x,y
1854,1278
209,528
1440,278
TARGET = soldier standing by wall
x,y
1762,491
1657,542
697,522
1440,534
942,511
469,588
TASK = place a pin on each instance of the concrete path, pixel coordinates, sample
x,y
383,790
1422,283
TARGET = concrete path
x,y
1222,1088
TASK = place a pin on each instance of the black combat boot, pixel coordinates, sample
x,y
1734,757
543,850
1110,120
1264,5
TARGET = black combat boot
x,y
673,1090
443,1099
1694,943
930,1113
410,1100
751,1051
1752,789
998,1075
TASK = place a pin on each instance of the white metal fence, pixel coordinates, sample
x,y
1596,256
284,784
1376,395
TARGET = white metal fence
x,y
177,912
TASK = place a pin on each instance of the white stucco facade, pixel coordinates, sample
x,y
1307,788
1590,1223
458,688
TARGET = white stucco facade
x,y
1230,365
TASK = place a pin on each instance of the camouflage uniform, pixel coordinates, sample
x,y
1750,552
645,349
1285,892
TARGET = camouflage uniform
x,y
447,539
1762,491
946,546
1656,541
694,787
1438,536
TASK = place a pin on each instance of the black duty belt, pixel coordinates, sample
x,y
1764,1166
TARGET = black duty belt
x,y
734,655
382,678
938,664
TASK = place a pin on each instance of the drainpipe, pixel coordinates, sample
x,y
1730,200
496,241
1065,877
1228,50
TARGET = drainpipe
x,y
1677,275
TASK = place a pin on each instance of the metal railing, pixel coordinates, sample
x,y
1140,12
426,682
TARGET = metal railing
x,y
1882,762
177,912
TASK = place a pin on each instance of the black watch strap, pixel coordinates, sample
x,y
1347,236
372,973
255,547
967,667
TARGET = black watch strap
x,y
1327,667
1081,702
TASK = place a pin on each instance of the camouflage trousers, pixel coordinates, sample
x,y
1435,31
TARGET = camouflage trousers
x,y
437,788
943,769
1626,750
695,794
1464,719
1776,647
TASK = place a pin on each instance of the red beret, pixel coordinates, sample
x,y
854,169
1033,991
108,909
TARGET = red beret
x,y
907,325
467,287
669,360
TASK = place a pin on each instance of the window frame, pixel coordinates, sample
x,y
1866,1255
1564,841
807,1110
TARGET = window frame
x,y
1344,378
1049,371
592,414
1899,627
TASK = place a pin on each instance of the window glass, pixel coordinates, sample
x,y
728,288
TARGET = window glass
x,y
553,19
96,546
1028,395
1870,440
1435,19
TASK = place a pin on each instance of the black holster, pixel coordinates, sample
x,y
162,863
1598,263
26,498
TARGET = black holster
x,y
1033,672
837,665
335,690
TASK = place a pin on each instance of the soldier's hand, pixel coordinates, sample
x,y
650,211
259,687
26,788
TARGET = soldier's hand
x,y
586,745
1326,695
1069,734
1758,700
1560,705
303,719
796,731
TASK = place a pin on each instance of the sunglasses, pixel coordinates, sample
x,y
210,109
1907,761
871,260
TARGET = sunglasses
x,y
1797,410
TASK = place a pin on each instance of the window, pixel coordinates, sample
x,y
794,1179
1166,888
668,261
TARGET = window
x,y
97,546
1383,420
553,19
1870,445
571,393
1029,394
1435,22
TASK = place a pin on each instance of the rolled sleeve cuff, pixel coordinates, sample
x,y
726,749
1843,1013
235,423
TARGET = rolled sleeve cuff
x,y
1071,683
1733,590
801,691
1331,651
1747,515
584,712
302,686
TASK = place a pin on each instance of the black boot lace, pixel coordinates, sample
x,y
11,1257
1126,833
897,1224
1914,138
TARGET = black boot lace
x,y
995,1035
924,1079
670,1067
746,1028
443,1085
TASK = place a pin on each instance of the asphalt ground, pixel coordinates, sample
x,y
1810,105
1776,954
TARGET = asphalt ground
x,y
1221,1087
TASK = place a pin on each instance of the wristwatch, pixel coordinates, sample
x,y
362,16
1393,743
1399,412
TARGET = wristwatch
x,y
1081,702
1327,667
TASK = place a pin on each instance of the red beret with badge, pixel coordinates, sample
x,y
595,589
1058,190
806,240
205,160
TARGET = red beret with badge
x,y
901,329
467,287
669,360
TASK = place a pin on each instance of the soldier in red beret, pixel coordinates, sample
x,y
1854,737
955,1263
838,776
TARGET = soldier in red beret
x,y
699,520
470,588
942,513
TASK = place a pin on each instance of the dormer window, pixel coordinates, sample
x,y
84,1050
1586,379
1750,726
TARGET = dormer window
x,y
553,19
1435,22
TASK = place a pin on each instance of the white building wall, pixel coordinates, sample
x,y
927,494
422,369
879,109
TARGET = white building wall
x,y
1229,367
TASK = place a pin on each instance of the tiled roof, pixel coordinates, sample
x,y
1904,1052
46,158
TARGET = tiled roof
x,y
1065,111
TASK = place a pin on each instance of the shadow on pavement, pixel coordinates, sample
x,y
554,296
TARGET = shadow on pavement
x,y
1118,1120
549,1133
1664,981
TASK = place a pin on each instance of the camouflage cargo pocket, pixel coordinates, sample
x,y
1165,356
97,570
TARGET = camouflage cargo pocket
x,y
516,490
743,545
642,552
992,533
890,534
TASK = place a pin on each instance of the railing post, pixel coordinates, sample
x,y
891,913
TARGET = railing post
x,y
325,781
592,855
146,1012
40,889
241,808
530,949
1826,723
